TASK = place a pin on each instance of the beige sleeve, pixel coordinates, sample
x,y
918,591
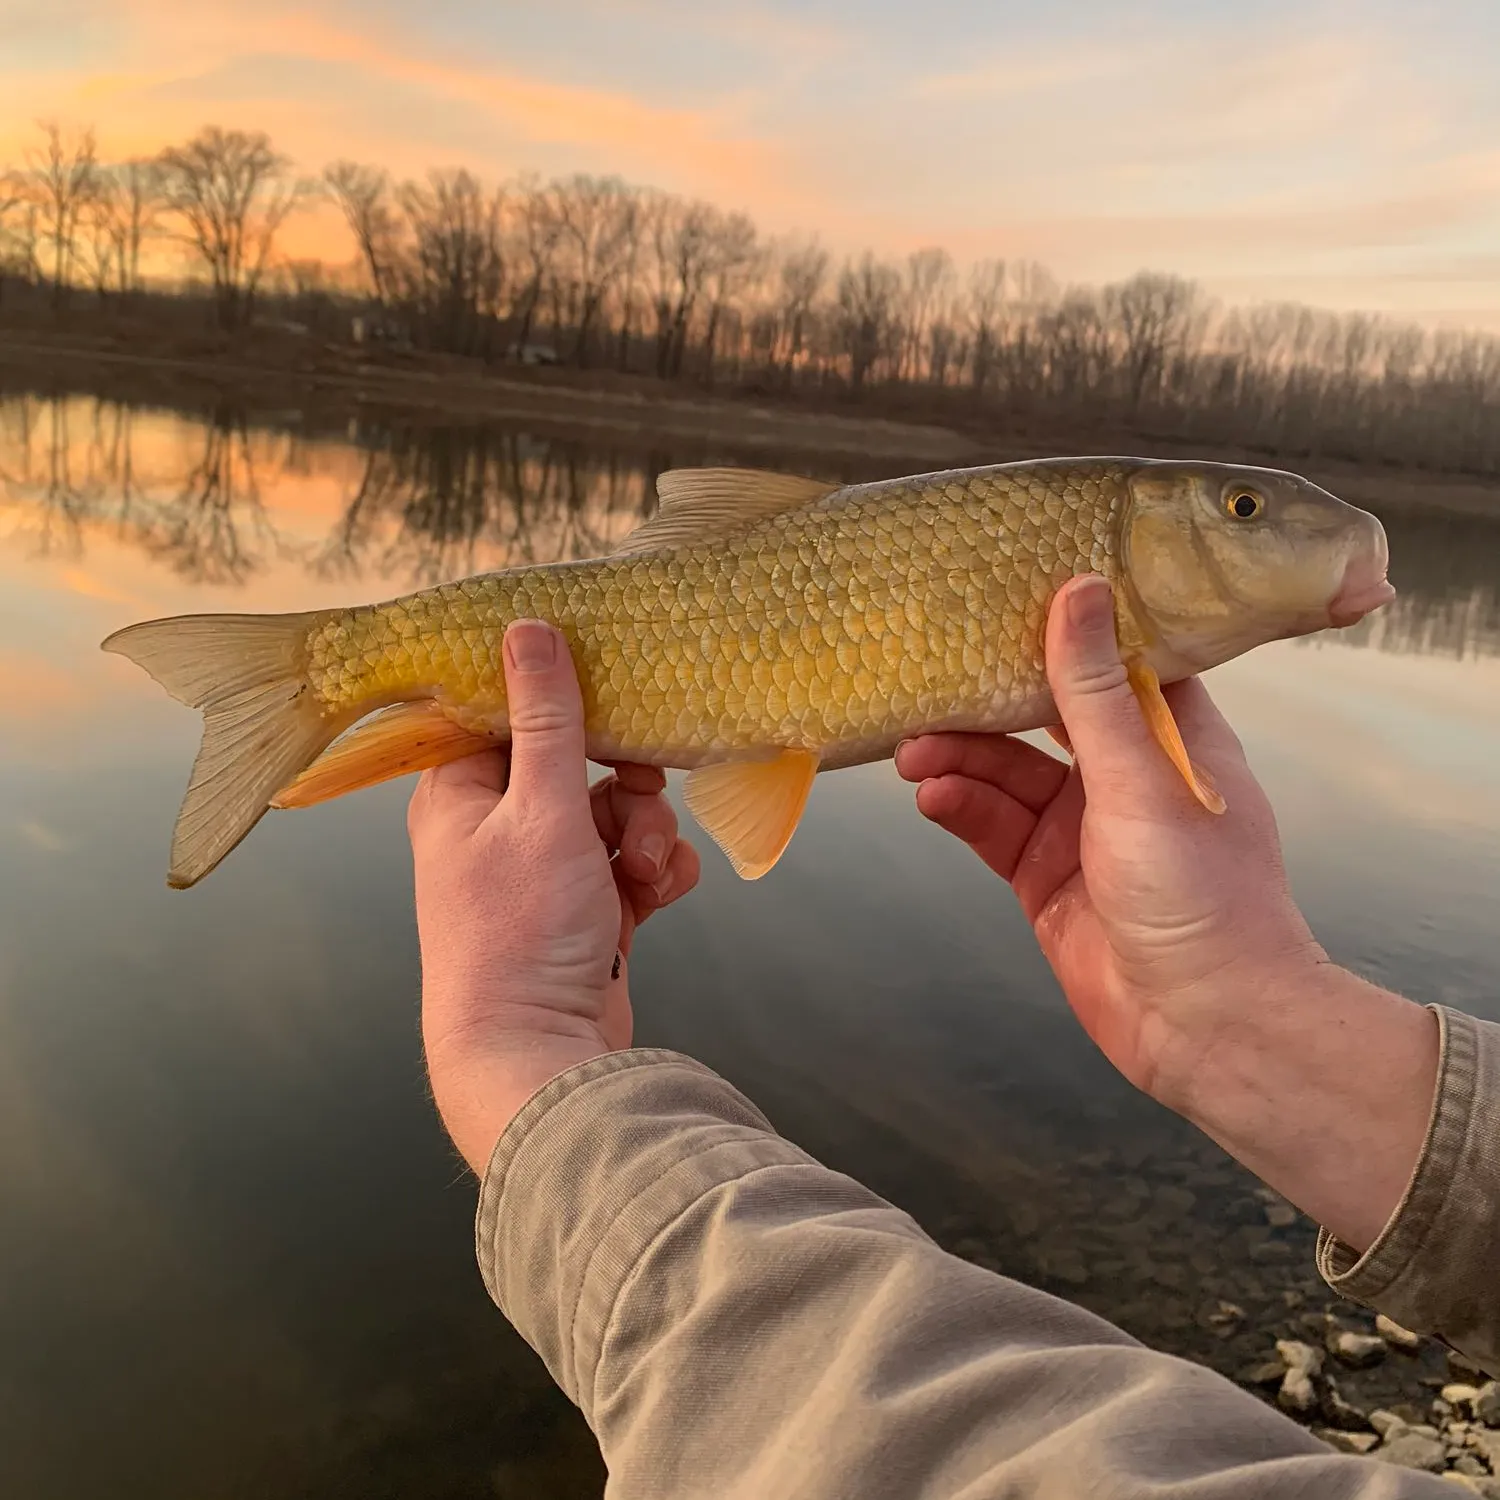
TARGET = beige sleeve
x,y
738,1322
1436,1265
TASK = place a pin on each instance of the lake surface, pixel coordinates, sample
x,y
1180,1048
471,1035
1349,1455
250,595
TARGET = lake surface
x,y
236,1256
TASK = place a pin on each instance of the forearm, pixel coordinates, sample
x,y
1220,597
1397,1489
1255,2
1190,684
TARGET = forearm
x,y
1321,1084
736,1320
1380,1119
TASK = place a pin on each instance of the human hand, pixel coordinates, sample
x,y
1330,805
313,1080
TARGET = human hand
x,y
1156,916
526,893
1175,938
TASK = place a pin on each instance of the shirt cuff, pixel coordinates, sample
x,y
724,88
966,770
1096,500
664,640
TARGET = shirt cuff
x,y
596,1165
1432,1267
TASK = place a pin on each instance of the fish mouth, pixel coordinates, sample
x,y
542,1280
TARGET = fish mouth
x,y
1364,587
1354,601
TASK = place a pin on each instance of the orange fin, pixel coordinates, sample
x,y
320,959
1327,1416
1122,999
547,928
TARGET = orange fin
x,y
751,808
1146,686
409,737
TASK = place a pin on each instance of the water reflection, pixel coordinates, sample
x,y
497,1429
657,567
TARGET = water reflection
x,y
437,504
237,1250
220,502
424,504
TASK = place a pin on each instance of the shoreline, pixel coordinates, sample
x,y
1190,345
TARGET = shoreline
x,y
1189,1254
337,384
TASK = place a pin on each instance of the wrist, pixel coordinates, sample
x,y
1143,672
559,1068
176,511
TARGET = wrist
x,y
1320,1083
1213,1035
479,1087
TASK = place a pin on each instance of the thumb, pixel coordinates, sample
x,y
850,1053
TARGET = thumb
x,y
547,760
1108,732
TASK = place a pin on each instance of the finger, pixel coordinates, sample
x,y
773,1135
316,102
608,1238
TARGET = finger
x,y
683,871
990,821
638,778
458,796
548,766
1053,855
1198,717
484,771
679,878
1113,746
642,828
1025,772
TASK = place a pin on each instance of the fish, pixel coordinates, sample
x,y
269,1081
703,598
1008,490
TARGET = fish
x,y
760,628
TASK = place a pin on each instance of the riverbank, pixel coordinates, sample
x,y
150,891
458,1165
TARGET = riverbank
x,y
276,378
1191,1255
269,375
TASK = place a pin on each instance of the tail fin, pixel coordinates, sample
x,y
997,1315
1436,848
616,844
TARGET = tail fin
x,y
262,723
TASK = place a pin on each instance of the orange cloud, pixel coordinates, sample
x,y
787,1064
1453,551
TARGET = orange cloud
x,y
697,146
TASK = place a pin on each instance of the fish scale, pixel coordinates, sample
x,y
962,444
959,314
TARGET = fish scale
x,y
784,637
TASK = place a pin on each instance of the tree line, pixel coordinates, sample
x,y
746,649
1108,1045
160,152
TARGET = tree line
x,y
597,273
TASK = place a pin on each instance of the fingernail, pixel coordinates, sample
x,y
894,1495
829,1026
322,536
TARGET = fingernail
x,y
653,849
531,646
1091,605
662,890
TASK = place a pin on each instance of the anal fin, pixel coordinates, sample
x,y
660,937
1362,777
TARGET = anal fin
x,y
407,737
751,808
1146,686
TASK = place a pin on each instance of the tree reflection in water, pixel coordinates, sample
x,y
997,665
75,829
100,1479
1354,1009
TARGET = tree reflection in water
x,y
439,503
219,500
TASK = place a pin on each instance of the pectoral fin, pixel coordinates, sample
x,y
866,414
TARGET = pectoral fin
x,y
1147,688
751,808
409,737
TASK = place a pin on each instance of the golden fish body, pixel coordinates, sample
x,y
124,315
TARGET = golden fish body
x,y
760,628
837,628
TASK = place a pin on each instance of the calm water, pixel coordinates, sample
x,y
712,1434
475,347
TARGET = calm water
x,y
235,1253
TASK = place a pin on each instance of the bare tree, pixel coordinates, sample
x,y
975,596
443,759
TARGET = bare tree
x,y
734,261
595,218
100,238
1153,314
868,295
803,272
138,200
363,195
64,180
985,310
457,265
229,193
627,284
12,196
681,242
14,208
927,287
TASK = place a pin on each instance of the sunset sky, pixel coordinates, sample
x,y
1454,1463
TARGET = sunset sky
x,y
1346,154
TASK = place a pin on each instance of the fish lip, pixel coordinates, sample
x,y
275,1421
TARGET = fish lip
x,y
1350,608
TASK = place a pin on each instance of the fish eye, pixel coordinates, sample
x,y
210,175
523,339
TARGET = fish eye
x,y
1244,506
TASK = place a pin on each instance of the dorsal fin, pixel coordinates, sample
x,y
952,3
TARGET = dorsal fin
x,y
701,505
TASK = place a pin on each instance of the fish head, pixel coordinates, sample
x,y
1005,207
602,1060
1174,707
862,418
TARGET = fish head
x,y
1221,558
